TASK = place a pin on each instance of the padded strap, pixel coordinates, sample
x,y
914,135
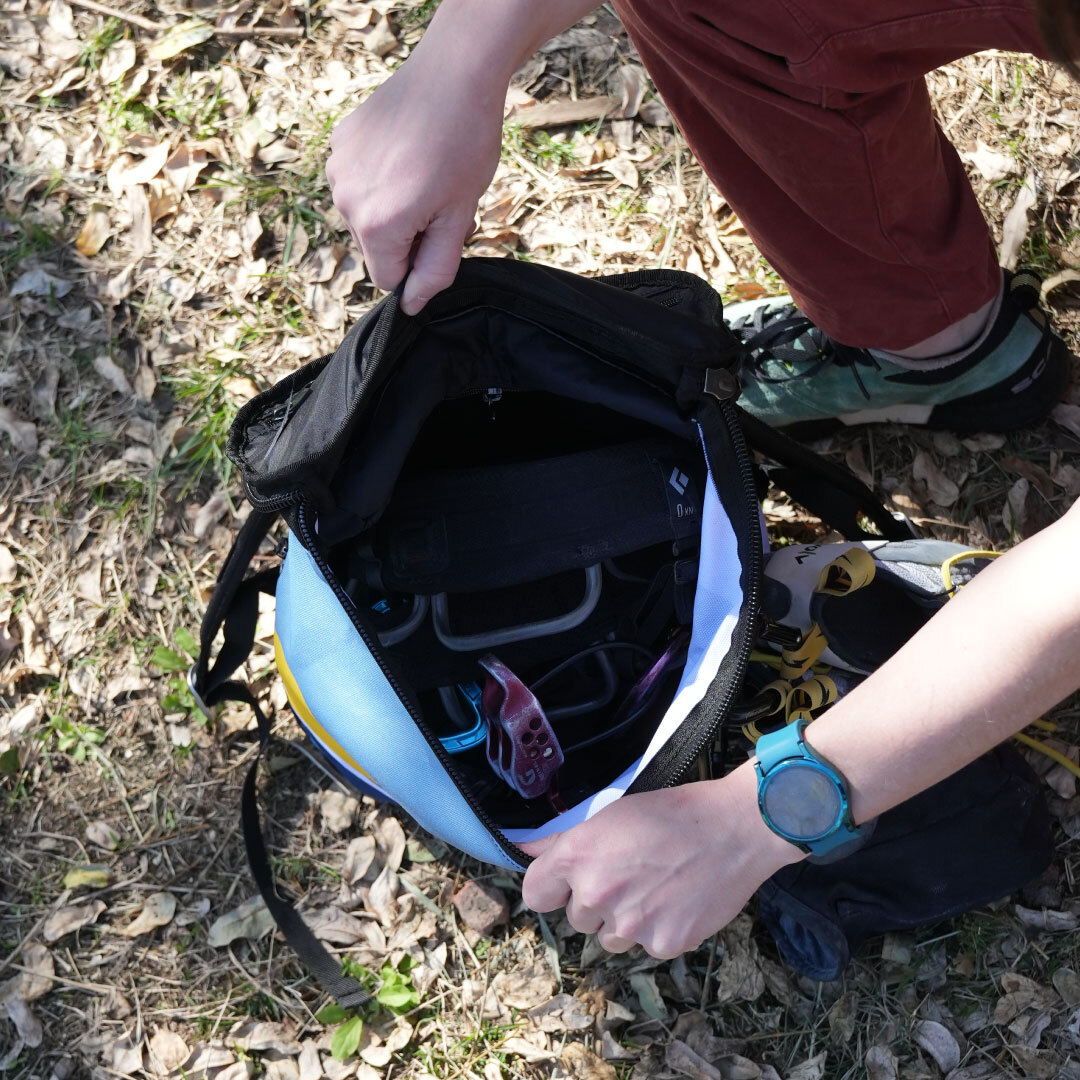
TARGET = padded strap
x,y
832,493
489,527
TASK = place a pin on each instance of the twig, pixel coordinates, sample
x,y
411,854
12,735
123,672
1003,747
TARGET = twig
x,y
259,31
708,973
561,112
136,20
6,963
219,31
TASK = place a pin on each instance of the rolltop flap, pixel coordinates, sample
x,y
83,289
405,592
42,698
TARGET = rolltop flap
x,y
656,323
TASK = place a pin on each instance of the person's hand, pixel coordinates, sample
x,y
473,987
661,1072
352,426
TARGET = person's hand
x,y
408,167
665,869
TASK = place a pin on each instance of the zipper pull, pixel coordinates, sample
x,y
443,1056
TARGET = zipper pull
x,y
722,384
492,396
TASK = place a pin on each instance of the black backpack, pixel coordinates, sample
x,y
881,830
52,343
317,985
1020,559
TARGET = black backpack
x,y
523,577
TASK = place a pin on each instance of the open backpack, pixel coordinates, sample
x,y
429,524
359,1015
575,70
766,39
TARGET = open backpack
x,y
525,574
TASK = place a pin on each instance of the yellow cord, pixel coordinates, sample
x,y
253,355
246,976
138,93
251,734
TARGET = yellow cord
x,y
962,556
1049,751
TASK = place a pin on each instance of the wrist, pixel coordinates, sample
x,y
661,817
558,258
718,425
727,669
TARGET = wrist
x,y
733,802
488,56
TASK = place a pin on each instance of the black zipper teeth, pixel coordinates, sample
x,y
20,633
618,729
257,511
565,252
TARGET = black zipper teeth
x,y
752,597
373,647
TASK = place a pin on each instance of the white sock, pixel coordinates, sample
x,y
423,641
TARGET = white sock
x,y
949,345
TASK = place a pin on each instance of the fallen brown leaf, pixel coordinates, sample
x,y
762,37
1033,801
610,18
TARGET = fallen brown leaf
x,y
22,433
157,910
941,489
251,920
1014,229
69,918
582,1064
938,1042
95,231
167,1051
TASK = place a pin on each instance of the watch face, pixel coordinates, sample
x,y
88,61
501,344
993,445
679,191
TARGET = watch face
x,y
802,800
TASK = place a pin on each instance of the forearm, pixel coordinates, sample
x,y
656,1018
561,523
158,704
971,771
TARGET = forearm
x,y
492,38
998,655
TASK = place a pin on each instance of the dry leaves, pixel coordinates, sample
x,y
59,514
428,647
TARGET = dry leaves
x,y
251,920
1015,227
582,1064
157,910
938,1042
942,490
338,810
69,918
167,1051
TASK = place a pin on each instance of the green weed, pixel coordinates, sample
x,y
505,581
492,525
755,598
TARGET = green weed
x,y
100,42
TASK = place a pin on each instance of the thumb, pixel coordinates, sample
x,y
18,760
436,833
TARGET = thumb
x,y
536,848
436,260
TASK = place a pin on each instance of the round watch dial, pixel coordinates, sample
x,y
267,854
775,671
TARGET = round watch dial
x,y
802,800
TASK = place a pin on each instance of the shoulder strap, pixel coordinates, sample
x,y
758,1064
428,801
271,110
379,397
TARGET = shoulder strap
x,y
235,607
825,489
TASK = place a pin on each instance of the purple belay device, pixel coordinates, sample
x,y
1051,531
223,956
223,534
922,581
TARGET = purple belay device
x,y
522,747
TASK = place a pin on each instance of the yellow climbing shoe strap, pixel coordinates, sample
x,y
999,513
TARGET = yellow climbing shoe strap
x,y
846,573
794,663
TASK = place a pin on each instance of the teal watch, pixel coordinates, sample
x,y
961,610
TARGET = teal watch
x,y
802,797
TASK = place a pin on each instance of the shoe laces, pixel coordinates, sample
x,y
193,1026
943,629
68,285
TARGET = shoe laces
x,y
786,335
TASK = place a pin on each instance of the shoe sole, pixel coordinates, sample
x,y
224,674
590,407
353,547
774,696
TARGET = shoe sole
x,y
1035,389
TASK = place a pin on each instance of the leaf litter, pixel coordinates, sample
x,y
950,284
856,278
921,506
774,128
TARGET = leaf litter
x,y
151,203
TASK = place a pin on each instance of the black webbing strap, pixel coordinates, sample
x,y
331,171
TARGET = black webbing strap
x,y
235,608
325,968
831,493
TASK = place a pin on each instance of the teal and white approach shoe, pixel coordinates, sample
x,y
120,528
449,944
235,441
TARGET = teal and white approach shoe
x,y
794,376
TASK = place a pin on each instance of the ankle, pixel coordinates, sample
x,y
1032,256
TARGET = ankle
x,y
949,345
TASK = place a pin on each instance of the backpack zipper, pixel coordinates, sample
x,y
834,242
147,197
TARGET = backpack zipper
x,y
752,598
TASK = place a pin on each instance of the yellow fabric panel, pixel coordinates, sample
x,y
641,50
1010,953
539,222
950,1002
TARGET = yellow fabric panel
x,y
296,700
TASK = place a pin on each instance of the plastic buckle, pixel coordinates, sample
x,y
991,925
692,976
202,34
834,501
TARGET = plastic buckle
x,y
202,706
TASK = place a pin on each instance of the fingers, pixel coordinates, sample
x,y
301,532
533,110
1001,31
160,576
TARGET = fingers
x,y
583,919
544,890
436,262
386,250
612,942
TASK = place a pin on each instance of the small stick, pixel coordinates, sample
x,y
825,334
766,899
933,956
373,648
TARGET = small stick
x,y
221,31
708,973
259,31
135,20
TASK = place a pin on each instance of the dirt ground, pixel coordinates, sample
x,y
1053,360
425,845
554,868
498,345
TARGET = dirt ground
x,y
168,248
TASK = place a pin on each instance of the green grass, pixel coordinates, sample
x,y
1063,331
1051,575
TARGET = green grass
x,y
420,14
208,414
21,239
539,147
99,43
197,112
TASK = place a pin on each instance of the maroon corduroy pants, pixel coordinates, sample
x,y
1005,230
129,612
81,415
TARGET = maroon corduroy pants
x,y
813,120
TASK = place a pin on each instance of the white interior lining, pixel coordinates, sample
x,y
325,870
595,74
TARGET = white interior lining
x,y
717,601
